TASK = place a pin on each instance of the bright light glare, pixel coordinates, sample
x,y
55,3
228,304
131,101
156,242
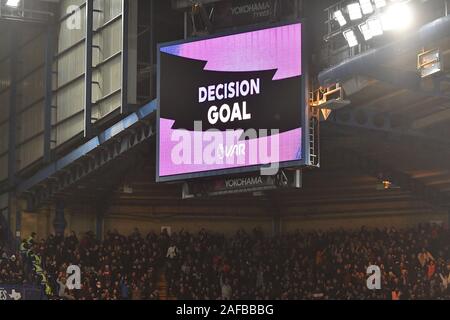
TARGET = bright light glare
x,y
366,6
398,16
12,3
340,18
380,3
375,27
354,11
350,36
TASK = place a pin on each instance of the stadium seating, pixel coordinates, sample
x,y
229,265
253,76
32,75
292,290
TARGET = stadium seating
x,y
248,265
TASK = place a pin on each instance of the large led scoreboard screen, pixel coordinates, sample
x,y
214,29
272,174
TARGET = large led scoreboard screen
x,y
231,103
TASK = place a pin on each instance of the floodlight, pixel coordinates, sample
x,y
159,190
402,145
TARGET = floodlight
x,y
380,3
366,6
365,30
339,17
350,36
398,16
371,28
13,3
429,63
375,26
354,11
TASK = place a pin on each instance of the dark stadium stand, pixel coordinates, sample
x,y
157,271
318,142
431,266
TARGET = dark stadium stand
x,y
92,179
248,265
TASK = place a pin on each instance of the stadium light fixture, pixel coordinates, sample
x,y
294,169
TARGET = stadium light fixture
x,y
380,3
429,63
387,184
13,3
371,28
398,16
350,36
354,11
366,6
375,26
339,17
365,30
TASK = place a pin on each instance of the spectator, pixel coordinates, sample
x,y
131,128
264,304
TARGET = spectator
x,y
445,281
226,290
136,293
414,264
62,289
172,252
424,257
396,294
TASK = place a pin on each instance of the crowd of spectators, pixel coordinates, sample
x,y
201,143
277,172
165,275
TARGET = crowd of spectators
x,y
11,268
118,267
414,264
11,264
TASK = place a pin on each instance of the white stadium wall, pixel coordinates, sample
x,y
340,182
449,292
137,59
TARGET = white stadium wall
x,y
106,63
67,112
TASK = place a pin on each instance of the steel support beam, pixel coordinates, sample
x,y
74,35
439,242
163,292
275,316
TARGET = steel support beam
x,y
99,219
152,48
59,223
205,17
382,122
83,168
437,199
433,119
363,119
9,215
185,25
448,217
49,52
106,136
88,131
273,208
397,77
402,79
13,106
18,230
276,225
124,91
87,159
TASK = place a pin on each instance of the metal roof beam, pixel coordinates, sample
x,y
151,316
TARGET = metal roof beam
x,y
88,147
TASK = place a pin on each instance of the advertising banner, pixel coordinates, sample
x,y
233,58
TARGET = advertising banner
x,y
21,292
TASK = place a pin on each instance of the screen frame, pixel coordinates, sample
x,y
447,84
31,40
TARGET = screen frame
x,y
304,161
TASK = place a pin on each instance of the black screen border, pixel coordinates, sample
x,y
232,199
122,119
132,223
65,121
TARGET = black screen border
x,y
304,161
